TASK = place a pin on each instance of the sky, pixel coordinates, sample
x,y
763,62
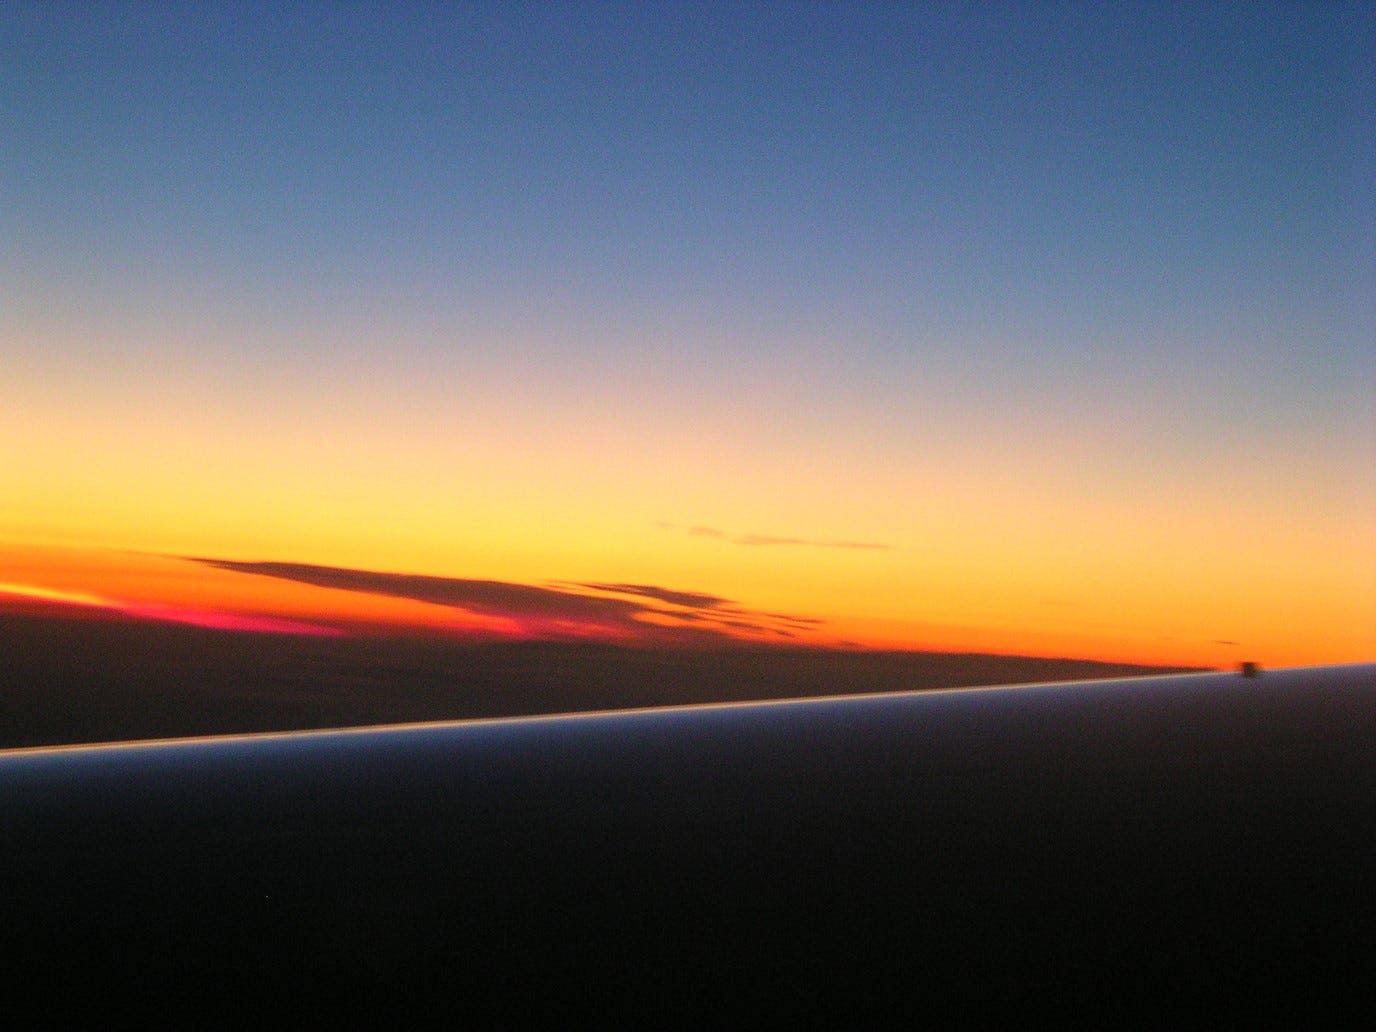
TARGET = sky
x,y
1036,328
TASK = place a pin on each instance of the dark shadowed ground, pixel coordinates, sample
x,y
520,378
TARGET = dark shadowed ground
x,y
68,681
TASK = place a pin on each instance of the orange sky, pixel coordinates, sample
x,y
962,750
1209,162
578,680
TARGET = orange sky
x,y
1136,629
1017,530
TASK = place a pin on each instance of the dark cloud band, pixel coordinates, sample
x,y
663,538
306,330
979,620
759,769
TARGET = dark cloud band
x,y
695,617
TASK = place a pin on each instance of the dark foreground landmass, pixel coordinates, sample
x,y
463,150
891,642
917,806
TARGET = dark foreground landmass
x,y
65,681
1099,854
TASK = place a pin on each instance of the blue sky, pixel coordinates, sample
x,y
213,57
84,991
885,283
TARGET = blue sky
x,y
918,163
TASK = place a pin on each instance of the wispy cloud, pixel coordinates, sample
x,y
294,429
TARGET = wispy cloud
x,y
767,540
633,613
778,540
687,599
796,621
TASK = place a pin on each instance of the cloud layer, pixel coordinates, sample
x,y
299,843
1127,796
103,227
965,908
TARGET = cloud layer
x,y
631,613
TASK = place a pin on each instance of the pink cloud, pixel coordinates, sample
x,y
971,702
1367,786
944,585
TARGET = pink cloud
x,y
208,618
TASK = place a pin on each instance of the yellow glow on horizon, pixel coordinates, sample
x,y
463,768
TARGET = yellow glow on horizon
x,y
987,549
79,598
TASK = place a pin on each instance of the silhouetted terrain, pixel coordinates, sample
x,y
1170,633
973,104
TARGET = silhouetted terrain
x,y
65,681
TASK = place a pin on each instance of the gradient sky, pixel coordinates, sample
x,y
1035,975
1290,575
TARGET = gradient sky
x,y
1066,311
